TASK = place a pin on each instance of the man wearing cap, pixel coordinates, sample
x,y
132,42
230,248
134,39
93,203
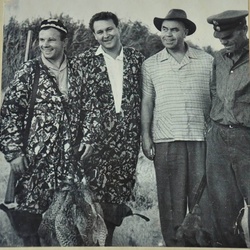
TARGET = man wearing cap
x,y
228,139
175,111
46,160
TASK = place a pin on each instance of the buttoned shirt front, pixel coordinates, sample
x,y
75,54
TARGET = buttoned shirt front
x,y
60,74
115,73
181,94
231,89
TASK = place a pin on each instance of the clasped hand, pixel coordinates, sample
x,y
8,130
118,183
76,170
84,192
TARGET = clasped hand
x,y
83,151
19,165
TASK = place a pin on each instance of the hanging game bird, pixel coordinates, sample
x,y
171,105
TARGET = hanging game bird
x,y
74,218
191,233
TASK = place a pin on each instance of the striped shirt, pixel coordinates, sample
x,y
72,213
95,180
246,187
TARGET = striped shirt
x,y
181,94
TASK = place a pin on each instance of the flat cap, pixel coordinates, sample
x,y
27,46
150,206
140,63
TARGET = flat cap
x,y
53,23
226,22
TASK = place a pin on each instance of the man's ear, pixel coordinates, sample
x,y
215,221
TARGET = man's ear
x,y
186,32
245,28
66,40
119,28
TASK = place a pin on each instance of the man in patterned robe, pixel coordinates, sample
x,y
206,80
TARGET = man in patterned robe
x,y
114,72
61,99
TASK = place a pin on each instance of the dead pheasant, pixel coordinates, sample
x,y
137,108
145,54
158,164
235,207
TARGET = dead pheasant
x,y
74,218
191,233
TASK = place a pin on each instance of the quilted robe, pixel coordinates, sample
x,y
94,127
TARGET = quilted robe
x,y
54,128
111,170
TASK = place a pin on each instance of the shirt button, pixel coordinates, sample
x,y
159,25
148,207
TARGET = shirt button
x,y
231,72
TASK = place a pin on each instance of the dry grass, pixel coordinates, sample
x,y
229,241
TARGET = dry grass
x,y
135,231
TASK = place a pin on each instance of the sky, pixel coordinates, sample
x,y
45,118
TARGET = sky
x,y
134,10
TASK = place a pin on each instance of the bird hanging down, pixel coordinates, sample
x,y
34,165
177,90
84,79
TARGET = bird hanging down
x,y
191,233
74,218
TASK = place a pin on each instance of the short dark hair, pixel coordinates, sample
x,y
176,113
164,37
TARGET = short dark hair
x,y
104,15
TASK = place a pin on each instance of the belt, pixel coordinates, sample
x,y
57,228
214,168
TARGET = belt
x,y
230,126
233,126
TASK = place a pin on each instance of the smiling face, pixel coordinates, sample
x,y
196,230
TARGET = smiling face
x,y
107,34
173,34
234,41
51,44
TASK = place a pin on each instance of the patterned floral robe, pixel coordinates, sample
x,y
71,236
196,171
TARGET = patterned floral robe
x,y
111,170
54,129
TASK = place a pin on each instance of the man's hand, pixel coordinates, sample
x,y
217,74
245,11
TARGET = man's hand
x,y
87,151
19,165
148,147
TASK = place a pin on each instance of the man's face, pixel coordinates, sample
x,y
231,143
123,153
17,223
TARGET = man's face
x,y
51,45
107,34
173,34
234,41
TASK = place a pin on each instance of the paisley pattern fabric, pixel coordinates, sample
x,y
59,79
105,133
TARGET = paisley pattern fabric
x,y
54,130
111,170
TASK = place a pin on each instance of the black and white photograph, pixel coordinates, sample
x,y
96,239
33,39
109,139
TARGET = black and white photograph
x,y
125,123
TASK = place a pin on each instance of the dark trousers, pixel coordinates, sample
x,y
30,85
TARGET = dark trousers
x,y
111,228
228,176
179,168
25,225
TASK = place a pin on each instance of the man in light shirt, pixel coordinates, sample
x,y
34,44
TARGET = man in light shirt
x,y
114,72
175,111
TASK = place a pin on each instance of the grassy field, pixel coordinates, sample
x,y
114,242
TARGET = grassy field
x,y
134,231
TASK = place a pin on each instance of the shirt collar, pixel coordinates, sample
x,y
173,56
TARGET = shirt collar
x,y
191,53
246,47
101,51
52,66
163,55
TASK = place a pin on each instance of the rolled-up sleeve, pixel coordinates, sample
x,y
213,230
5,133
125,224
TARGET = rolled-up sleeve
x,y
147,84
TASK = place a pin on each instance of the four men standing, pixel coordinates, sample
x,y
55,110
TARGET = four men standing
x,y
98,94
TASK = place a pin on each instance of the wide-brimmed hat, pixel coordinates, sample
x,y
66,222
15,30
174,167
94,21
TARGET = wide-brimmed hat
x,y
178,15
226,22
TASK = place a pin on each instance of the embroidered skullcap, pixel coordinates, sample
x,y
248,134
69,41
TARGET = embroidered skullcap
x,y
53,23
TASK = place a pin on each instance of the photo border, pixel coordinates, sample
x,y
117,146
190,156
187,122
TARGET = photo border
x,y
2,3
